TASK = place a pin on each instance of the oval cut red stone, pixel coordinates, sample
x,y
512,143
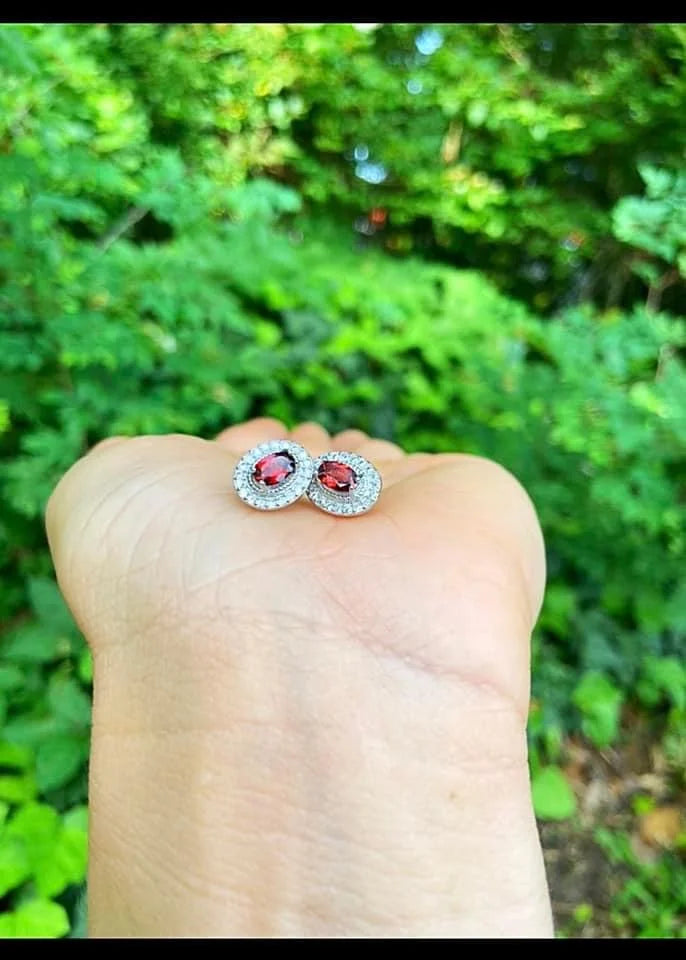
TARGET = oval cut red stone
x,y
336,476
274,468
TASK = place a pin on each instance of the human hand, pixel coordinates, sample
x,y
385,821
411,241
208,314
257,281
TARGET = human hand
x,y
304,725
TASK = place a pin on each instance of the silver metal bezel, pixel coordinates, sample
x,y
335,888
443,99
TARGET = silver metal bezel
x,y
272,498
360,499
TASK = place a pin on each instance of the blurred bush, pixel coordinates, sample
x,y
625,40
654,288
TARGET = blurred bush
x,y
199,223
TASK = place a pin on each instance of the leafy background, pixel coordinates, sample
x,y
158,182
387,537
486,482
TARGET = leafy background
x,y
457,236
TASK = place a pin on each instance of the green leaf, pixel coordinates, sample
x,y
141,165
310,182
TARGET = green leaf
x,y
11,678
58,760
77,819
17,789
67,208
560,604
48,604
69,702
32,643
14,863
583,913
85,666
13,755
600,702
552,795
36,824
66,864
657,181
30,731
37,918
662,677
263,199
55,849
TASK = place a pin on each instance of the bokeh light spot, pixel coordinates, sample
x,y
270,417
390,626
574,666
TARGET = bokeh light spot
x,y
429,41
371,172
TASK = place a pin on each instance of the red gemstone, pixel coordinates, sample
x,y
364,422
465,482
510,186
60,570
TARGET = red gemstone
x,y
274,468
336,476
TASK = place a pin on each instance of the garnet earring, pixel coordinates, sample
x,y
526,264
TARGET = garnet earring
x,y
344,484
273,474
277,473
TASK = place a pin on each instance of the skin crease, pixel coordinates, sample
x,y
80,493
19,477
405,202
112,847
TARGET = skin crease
x,y
304,725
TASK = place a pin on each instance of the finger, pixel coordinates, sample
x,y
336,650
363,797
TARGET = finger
x,y
243,436
313,437
136,506
370,447
493,507
108,442
360,442
399,469
349,439
380,450
119,468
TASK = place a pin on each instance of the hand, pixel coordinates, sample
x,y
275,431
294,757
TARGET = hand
x,y
304,725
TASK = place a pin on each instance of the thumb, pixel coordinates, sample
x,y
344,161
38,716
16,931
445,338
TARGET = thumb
x,y
113,511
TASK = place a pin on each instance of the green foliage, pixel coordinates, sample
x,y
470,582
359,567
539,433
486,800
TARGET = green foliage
x,y
582,915
55,848
177,252
662,678
42,853
552,795
35,918
599,701
652,899
656,225
674,746
49,711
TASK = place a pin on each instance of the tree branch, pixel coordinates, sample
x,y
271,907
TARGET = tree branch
x,y
127,220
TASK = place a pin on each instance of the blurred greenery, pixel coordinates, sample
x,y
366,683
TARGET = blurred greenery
x,y
652,900
457,236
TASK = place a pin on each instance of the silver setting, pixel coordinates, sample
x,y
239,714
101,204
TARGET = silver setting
x,y
361,498
283,494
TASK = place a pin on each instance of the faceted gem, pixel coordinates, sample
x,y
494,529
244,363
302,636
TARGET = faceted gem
x,y
336,476
274,468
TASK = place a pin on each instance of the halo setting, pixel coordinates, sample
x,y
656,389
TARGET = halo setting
x,y
273,474
344,484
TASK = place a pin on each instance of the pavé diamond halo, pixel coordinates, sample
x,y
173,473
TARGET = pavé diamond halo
x,y
344,484
273,474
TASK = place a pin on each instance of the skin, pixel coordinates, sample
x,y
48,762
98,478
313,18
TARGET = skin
x,y
305,725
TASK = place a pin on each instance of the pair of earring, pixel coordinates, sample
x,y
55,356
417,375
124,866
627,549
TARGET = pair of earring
x,y
276,473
